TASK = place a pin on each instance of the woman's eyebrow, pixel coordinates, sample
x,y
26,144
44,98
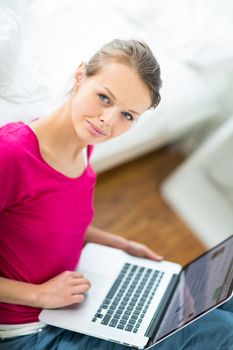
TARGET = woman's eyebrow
x,y
110,93
134,112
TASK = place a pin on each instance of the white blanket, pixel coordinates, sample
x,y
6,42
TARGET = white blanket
x,y
42,42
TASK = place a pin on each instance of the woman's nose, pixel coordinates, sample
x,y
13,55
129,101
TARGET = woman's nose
x,y
107,117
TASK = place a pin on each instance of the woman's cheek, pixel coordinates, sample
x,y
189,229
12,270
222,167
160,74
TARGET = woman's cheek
x,y
86,108
120,129
92,109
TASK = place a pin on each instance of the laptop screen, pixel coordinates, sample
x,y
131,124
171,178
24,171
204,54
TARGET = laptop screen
x,y
204,283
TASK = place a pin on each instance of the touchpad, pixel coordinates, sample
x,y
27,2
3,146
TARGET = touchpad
x,y
100,285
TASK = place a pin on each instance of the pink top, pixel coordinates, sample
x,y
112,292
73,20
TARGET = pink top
x,y
43,216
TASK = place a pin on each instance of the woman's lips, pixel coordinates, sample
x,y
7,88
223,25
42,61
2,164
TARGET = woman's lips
x,y
94,130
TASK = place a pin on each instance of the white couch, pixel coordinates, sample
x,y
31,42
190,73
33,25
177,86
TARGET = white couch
x,y
42,42
201,189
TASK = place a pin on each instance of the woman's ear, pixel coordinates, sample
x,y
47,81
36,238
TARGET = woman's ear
x,y
80,74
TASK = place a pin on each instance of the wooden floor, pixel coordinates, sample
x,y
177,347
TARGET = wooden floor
x,y
128,203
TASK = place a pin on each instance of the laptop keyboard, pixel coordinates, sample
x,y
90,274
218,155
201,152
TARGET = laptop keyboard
x,y
127,301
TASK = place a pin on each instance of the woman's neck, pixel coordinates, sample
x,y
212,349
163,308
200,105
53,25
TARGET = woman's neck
x,y
56,133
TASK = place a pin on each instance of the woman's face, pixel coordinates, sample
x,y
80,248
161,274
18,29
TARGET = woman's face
x,y
107,104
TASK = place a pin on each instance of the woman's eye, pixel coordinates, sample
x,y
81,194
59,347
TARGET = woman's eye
x,y
128,116
104,98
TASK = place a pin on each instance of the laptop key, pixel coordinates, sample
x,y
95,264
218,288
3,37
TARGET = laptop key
x,y
119,311
138,308
106,319
129,308
125,317
127,313
134,317
113,322
110,312
107,301
120,326
117,314
131,322
123,322
129,327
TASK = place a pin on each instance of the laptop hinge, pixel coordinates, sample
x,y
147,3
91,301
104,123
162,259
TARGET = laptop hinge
x,y
160,311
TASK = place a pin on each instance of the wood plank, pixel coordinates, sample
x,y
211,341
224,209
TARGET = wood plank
x,y
128,203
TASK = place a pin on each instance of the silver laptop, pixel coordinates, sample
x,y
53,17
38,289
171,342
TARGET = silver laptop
x,y
139,302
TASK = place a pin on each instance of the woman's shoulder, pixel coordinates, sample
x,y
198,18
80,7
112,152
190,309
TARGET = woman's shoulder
x,y
13,139
14,163
12,130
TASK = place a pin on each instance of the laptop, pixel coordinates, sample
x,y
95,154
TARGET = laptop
x,y
139,302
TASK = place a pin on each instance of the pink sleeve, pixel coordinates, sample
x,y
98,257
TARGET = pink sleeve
x,y
9,187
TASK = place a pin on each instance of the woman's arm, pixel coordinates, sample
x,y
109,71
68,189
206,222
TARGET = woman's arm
x,y
96,235
64,289
15,292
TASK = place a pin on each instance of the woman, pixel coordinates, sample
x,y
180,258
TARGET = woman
x,y
46,199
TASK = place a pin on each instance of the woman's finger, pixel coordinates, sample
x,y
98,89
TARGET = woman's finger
x,y
80,281
76,274
152,255
77,298
142,250
80,289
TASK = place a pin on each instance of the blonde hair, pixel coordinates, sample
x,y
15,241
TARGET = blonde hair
x,y
135,53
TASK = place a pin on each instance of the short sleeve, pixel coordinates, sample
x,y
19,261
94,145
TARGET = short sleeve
x,y
9,187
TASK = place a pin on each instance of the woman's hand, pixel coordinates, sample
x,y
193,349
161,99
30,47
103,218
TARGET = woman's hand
x,y
64,289
96,235
141,250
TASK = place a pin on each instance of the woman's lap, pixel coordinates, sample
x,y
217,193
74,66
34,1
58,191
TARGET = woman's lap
x,y
212,331
53,338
